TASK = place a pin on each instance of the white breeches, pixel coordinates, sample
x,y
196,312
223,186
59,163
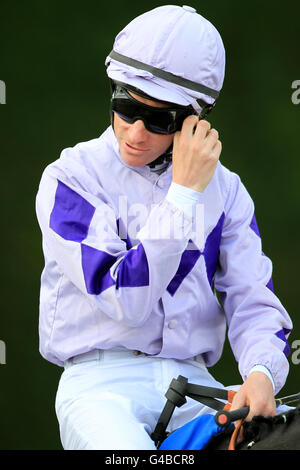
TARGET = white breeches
x,y
111,400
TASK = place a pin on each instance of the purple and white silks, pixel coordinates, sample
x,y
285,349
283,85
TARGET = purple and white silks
x,y
108,281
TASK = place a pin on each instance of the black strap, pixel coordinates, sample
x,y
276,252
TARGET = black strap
x,y
175,397
168,76
207,391
180,388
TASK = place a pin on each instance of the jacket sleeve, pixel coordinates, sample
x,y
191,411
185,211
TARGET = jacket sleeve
x,y
258,324
81,232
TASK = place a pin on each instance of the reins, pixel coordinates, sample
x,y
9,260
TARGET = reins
x,y
180,388
176,395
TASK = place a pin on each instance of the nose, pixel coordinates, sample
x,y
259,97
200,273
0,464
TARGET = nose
x,y
137,132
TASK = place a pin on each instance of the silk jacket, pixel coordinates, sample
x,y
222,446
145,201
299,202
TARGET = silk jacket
x,y
124,266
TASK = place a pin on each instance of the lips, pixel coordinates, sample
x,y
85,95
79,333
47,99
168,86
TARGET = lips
x,y
133,150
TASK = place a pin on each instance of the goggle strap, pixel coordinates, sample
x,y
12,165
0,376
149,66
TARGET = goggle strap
x,y
168,76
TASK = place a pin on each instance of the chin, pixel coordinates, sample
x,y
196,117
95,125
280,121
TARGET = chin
x,y
137,161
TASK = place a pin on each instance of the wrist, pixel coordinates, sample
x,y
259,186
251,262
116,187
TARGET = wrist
x,y
264,370
183,197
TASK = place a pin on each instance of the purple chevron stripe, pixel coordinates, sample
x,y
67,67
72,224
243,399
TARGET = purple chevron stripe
x,y
120,226
96,265
190,257
134,270
212,247
270,285
187,262
71,214
281,334
254,226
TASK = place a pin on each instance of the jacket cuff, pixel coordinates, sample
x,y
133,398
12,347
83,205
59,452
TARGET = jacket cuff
x,y
260,368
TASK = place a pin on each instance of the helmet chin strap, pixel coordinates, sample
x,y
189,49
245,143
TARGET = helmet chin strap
x,y
164,158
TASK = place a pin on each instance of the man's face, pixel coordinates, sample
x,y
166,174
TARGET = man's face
x,y
138,146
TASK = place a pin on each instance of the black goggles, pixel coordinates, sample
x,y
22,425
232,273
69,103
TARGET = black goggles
x,y
157,120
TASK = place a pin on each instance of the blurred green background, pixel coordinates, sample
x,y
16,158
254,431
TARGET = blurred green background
x,y
52,57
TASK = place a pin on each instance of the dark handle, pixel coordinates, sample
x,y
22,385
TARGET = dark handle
x,y
224,418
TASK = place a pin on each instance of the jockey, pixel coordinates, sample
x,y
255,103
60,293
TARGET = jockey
x,y
152,248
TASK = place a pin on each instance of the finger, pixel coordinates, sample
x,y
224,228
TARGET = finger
x,y
239,401
211,144
188,125
263,408
202,129
191,124
212,136
216,150
176,137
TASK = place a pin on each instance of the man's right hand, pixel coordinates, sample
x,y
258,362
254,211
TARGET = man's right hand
x,y
195,155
